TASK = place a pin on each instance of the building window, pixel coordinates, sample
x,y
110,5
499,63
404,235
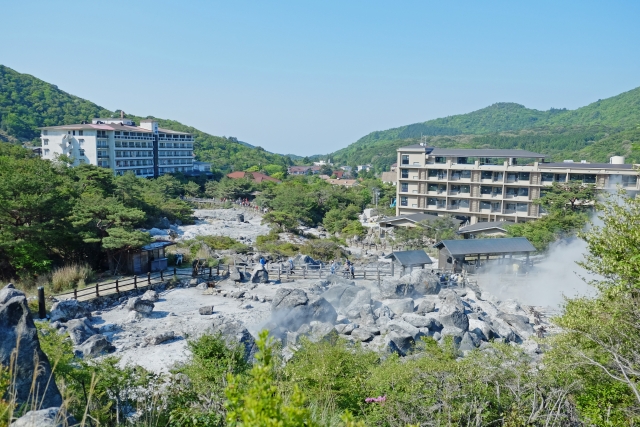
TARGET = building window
x,y
73,132
441,160
82,152
523,192
404,201
465,174
405,159
522,207
404,187
405,173
45,132
45,142
46,152
81,141
523,176
80,132
486,175
561,177
547,177
629,180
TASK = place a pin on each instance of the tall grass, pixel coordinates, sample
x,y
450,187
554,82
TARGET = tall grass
x,y
70,276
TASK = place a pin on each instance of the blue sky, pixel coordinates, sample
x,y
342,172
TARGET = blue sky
x,y
311,77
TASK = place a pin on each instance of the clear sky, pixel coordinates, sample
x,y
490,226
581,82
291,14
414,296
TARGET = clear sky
x,y
311,77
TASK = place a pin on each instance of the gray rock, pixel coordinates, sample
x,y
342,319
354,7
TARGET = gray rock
x,y
246,306
150,295
287,298
321,331
335,279
235,275
260,276
396,288
468,342
383,311
401,327
400,306
400,343
235,332
426,306
238,293
19,339
79,330
345,329
424,282
362,298
202,286
67,310
139,305
95,346
207,310
159,338
362,334
519,323
292,338
452,312
50,417
417,320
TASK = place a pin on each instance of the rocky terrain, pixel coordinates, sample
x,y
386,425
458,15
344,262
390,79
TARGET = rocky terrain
x,y
152,329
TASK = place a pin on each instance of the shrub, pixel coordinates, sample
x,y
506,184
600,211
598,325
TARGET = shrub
x,y
70,276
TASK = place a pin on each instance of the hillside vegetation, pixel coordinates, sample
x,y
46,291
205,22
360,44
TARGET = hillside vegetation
x,y
594,132
27,103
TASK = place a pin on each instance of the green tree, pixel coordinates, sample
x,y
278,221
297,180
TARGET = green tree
x,y
259,403
283,220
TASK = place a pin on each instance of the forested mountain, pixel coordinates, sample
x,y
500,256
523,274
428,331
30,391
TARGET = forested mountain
x,y
594,132
27,103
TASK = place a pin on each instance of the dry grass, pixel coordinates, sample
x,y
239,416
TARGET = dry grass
x,y
70,276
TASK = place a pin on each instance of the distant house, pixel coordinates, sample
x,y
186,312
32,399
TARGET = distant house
x,y
343,182
339,174
257,177
394,167
364,168
389,178
487,228
303,170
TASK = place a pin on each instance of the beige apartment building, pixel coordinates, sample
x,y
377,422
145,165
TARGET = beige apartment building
x,y
118,144
478,185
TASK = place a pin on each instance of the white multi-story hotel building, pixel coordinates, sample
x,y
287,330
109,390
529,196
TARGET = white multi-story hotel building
x,y
120,145
492,185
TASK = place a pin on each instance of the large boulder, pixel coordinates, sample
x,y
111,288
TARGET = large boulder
x,y
50,417
362,334
31,366
468,342
291,308
67,310
142,306
150,295
80,330
159,338
322,331
391,287
235,275
424,282
417,320
400,306
260,275
301,260
426,306
362,298
335,279
235,332
519,322
400,343
452,313
401,327
94,346
341,296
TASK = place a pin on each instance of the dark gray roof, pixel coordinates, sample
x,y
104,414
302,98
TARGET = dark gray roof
x,y
481,226
157,245
507,245
484,152
568,165
410,258
417,217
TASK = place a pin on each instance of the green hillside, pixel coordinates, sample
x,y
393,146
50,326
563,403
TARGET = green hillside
x,y
27,103
594,132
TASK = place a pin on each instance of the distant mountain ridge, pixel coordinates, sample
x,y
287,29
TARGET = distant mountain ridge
x,y
513,125
27,103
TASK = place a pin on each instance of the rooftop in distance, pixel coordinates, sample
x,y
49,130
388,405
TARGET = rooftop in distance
x,y
472,152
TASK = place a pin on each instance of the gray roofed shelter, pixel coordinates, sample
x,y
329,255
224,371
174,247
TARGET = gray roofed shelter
x,y
452,252
410,259
487,228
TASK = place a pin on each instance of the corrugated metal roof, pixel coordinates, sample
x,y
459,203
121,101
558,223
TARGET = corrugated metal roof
x,y
157,245
410,258
417,217
480,226
505,245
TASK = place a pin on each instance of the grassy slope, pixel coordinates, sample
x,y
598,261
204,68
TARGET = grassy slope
x,y
27,102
